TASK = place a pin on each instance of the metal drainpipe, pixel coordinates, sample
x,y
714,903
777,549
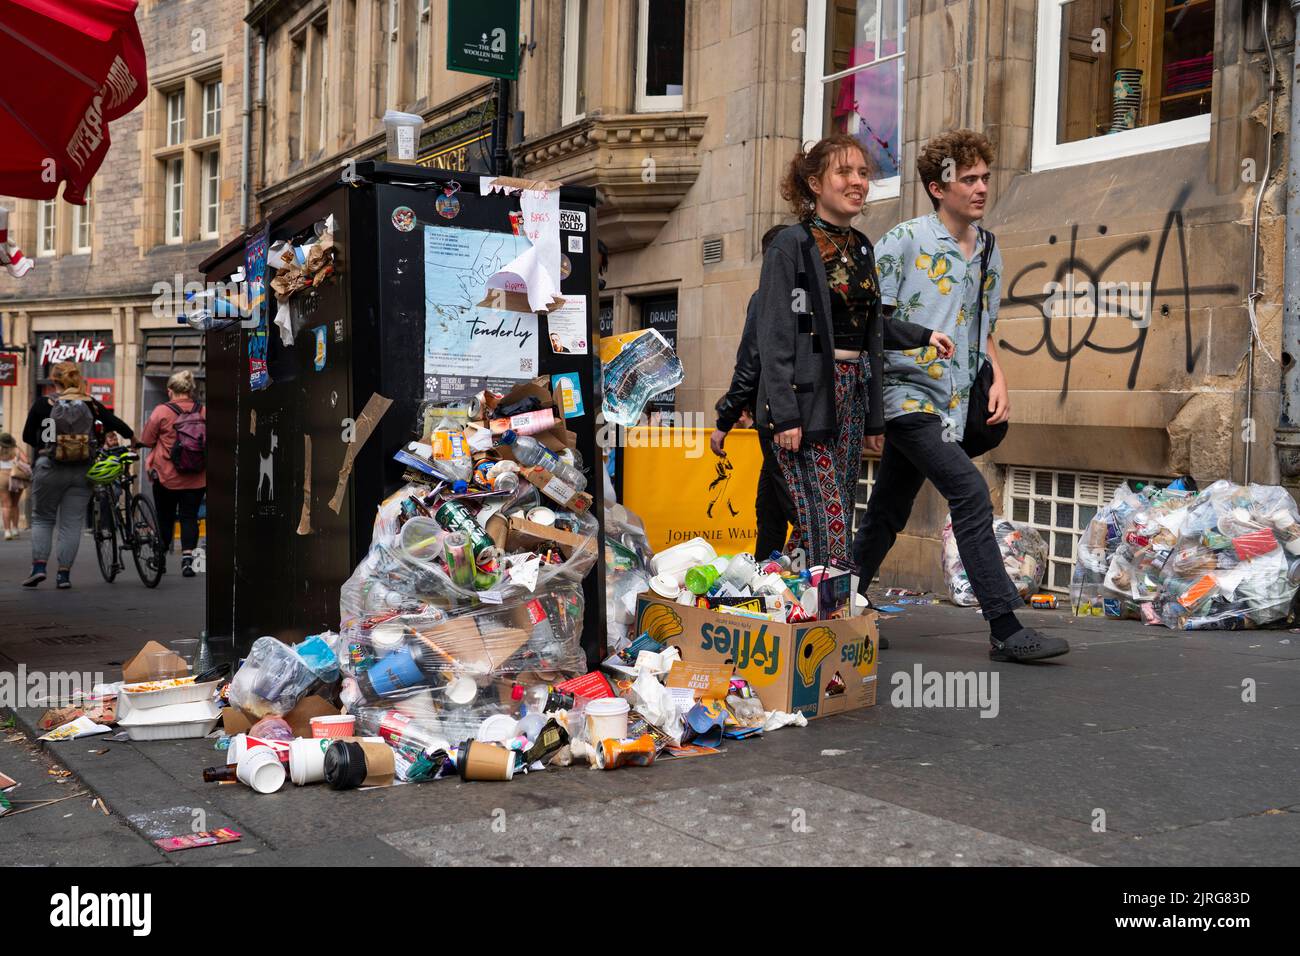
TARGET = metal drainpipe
x,y
247,120
1287,439
1255,294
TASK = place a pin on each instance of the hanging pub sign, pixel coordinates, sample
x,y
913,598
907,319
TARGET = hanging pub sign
x,y
483,38
8,368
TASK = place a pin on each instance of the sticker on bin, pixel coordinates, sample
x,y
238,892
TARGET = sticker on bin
x,y
573,220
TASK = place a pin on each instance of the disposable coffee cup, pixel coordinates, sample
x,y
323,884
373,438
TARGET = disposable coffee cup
x,y
666,585
542,515
402,135
607,718
462,691
261,769
485,761
242,743
386,638
333,725
307,760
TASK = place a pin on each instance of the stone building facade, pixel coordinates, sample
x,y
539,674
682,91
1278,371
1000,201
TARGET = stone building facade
x,y
1130,150
105,286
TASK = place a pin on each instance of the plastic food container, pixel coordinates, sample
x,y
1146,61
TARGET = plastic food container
x,y
131,699
172,722
606,719
403,135
680,558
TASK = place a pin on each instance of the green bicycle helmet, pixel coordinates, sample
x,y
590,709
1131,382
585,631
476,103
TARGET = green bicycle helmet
x,y
105,470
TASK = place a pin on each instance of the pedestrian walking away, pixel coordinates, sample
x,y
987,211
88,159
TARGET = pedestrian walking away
x,y
66,429
177,465
944,270
15,478
821,340
773,510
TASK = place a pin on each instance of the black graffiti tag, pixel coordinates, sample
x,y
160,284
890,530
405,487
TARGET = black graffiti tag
x,y
1073,263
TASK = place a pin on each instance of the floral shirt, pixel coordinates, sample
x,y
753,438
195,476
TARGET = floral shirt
x,y
924,275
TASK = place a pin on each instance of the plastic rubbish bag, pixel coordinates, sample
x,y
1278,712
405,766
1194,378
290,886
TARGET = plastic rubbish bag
x,y
1236,562
645,367
461,657
1024,555
273,679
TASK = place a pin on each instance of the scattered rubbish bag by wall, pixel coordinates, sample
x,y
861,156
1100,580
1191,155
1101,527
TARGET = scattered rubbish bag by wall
x,y
1024,554
642,366
1236,562
277,676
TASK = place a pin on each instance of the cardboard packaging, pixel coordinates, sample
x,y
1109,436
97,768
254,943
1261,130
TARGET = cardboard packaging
x,y
136,670
235,721
556,490
818,668
525,535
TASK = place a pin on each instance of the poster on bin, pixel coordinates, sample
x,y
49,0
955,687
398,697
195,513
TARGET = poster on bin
x,y
468,346
255,269
681,490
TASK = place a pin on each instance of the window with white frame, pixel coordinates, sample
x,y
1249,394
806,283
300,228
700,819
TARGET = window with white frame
x,y
1121,77
83,218
423,30
176,117
854,80
211,194
660,55
574,106
212,98
47,213
174,209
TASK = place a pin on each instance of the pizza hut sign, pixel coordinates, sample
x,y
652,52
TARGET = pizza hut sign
x,y
87,350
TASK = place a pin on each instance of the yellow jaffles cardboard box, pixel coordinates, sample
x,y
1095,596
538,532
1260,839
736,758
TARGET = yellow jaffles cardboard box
x,y
818,668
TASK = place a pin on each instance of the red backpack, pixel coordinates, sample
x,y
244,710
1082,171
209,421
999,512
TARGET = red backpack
x,y
190,450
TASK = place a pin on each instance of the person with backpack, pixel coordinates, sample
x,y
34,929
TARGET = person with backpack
x,y
65,430
177,431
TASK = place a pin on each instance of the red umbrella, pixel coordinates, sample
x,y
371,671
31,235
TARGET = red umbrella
x,y
73,65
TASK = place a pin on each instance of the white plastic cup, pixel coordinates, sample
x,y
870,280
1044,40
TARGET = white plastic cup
x,y
307,759
403,135
261,769
606,719
387,638
496,728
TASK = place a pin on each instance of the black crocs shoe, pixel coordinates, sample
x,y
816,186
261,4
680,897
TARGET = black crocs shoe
x,y
1028,645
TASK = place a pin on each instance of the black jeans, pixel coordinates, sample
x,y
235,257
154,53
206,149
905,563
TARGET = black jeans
x,y
186,502
915,450
773,506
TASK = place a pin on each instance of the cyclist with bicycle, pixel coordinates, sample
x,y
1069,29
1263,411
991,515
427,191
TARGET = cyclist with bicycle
x,y
65,430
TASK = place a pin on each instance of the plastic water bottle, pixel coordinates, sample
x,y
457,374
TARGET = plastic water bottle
x,y
530,451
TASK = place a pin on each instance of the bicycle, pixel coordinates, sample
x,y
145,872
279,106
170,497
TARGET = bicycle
x,y
124,520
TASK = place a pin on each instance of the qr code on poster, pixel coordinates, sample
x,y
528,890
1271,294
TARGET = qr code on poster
x,y
526,365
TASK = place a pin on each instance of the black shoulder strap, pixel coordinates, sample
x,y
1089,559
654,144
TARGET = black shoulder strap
x,y
174,407
986,254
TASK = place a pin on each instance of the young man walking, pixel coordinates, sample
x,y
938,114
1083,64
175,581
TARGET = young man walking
x,y
930,269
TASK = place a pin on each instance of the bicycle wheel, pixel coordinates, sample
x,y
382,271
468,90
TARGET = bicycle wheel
x,y
105,533
147,552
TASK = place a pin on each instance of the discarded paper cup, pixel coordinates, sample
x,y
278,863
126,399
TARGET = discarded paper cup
x,y
542,515
333,725
402,135
307,760
462,691
261,769
496,728
607,718
242,743
387,638
485,761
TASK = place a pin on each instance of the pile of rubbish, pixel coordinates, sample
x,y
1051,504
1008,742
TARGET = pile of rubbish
x,y
1024,555
1227,557
694,574
459,646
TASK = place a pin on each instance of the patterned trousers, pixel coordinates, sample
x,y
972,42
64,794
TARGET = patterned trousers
x,y
823,476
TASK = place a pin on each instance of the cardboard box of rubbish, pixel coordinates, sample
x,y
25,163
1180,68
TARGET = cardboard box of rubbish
x,y
818,668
